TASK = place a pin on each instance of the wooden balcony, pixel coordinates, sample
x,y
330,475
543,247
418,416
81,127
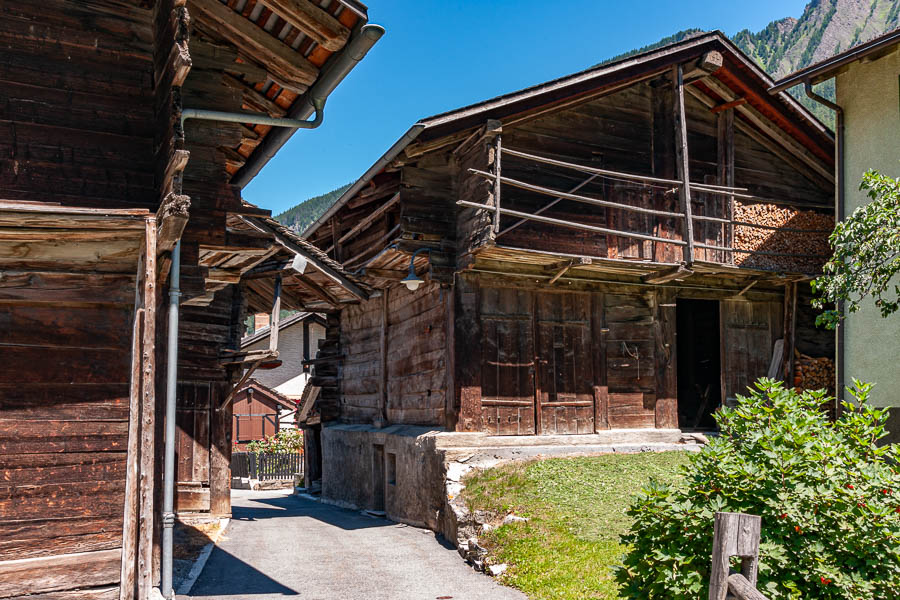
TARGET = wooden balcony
x,y
531,203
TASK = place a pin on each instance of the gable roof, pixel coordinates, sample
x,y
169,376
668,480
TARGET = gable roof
x,y
828,68
508,108
282,324
264,393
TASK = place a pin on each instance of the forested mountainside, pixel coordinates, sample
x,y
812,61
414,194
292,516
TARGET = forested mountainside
x,y
825,28
302,216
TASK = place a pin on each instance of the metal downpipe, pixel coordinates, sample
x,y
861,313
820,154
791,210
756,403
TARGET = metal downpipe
x,y
168,515
255,118
838,215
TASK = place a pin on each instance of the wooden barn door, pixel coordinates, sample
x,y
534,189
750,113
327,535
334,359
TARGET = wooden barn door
x,y
507,362
748,334
565,395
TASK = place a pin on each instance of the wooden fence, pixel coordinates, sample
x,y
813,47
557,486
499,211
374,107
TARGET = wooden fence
x,y
265,466
735,534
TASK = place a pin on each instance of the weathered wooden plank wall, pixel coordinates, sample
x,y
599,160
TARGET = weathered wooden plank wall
x,y
76,104
563,362
409,385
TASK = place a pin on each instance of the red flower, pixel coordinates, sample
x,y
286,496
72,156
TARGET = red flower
x,y
825,580
783,516
798,530
850,486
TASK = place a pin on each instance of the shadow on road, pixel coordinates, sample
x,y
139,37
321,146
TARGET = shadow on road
x,y
292,506
230,576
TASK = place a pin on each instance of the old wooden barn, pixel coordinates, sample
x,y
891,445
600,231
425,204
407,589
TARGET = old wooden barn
x,y
111,169
623,249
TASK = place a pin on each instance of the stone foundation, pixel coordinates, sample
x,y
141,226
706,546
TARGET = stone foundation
x,y
414,474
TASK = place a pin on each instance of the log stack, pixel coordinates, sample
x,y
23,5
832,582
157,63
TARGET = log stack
x,y
785,241
815,374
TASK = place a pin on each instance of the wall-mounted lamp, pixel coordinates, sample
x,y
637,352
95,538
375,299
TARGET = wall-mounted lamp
x,y
413,281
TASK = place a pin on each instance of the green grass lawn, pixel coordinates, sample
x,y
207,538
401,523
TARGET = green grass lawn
x,y
576,510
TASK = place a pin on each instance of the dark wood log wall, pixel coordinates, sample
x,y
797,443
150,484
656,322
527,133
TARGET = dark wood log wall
x,y
394,358
76,128
562,362
76,103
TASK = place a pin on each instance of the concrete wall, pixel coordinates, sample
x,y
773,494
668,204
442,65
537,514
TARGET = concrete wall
x,y
413,493
870,96
289,379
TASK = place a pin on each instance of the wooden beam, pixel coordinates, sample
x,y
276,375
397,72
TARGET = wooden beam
x,y
288,67
725,170
130,519
769,144
275,319
709,63
734,103
313,259
770,129
683,163
368,220
253,99
320,26
317,290
148,415
670,274
383,345
171,219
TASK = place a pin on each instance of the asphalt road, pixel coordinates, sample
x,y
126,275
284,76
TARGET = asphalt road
x,y
281,545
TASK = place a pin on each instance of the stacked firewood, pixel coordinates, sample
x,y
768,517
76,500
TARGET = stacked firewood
x,y
814,374
785,241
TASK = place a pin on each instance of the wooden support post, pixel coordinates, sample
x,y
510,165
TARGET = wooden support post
x,y
682,162
790,320
497,179
130,521
383,344
725,170
735,534
275,319
148,416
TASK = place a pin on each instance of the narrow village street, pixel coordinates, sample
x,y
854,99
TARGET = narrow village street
x,y
281,545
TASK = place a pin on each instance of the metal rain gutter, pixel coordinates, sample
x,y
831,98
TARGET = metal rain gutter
x,y
332,75
411,134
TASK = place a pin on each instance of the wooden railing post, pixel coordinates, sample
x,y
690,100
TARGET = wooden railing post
x,y
735,534
497,151
682,162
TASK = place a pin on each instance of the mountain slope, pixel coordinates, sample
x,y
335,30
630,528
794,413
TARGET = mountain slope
x,y
304,214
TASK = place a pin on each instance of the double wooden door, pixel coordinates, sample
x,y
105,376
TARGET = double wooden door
x,y
538,371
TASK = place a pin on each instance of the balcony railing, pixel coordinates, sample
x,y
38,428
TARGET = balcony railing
x,y
748,240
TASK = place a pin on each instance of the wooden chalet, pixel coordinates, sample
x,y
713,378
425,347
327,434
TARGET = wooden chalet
x,y
100,178
259,412
623,248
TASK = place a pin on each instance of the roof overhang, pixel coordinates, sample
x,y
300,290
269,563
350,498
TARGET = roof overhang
x,y
830,67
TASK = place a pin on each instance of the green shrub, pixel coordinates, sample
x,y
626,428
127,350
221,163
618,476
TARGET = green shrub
x,y
829,499
286,441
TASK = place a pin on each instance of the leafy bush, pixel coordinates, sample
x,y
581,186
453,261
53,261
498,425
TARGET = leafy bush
x,y
286,441
829,499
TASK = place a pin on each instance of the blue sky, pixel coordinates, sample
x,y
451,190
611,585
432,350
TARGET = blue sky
x,y
439,54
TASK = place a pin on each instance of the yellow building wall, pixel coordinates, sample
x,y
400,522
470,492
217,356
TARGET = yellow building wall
x,y
870,96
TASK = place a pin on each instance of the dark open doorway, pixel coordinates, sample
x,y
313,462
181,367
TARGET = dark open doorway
x,y
699,371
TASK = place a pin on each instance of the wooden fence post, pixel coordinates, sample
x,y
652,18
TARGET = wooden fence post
x,y
735,534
